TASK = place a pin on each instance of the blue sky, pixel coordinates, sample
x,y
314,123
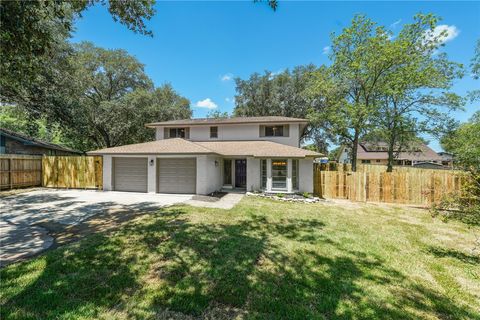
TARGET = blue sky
x,y
199,47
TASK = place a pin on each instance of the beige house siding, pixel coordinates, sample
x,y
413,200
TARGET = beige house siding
x,y
238,132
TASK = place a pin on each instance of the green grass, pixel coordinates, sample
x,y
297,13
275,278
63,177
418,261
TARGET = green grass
x,y
263,259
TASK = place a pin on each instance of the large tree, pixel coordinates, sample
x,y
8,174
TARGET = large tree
x,y
102,98
116,98
350,85
269,94
32,32
414,96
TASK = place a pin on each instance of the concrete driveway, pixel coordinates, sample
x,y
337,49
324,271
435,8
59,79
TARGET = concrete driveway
x,y
29,221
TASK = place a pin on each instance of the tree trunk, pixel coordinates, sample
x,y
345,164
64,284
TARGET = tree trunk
x,y
391,145
354,152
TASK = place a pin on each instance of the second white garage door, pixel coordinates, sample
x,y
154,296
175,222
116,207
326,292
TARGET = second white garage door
x,y
177,175
130,174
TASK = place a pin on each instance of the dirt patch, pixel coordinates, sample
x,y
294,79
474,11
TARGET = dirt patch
x,y
7,193
212,197
107,221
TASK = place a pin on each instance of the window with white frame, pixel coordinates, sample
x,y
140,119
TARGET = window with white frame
x,y
279,174
295,174
263,173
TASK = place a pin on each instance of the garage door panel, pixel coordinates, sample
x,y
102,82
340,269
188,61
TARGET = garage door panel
x,y
177,175
130,174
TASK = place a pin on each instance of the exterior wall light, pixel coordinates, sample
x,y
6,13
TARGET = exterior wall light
x,y
152,162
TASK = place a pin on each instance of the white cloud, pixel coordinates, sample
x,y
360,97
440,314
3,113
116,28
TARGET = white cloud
x,y
206,103
443,32
326,50
395,24
229,100
226,77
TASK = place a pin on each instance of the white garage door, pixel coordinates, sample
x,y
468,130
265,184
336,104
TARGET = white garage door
x,y
177,175
130,174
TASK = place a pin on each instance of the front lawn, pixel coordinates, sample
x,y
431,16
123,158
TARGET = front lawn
x,y
261,260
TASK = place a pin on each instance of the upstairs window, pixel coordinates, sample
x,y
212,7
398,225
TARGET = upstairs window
x,y
213,132
274,131
177,133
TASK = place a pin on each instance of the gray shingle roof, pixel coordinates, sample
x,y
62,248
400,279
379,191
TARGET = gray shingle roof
x,y
261,148
233,120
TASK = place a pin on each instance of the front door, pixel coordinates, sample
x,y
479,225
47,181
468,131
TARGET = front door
x,y
240,173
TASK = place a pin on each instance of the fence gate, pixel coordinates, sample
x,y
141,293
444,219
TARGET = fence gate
x,y
75,172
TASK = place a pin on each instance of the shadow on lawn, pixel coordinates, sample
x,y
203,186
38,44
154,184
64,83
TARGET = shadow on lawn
x,y
170,262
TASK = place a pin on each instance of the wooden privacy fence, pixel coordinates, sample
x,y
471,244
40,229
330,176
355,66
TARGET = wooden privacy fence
x,y
415,186
18,171
76,172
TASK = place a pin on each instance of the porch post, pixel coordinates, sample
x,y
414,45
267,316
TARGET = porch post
x,y
269,175
289,175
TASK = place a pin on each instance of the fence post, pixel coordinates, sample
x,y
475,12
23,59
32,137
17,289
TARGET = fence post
x,y
366,181
10,173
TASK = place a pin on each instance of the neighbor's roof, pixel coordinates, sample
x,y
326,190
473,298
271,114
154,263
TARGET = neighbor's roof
x,y
420,152
224,148
27,140
233,120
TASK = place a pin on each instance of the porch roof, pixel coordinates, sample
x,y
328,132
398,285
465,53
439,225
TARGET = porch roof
x,y
257,148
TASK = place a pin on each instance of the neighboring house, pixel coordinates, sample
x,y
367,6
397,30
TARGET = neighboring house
x,y
419,155
17,143
447,159
205,155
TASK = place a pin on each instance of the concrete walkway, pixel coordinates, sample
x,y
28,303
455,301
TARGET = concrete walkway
x,y
228,201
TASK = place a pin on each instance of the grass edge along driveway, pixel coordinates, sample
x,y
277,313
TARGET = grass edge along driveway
x,y
261,260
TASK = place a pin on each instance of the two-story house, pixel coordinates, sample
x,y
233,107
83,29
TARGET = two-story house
x,y
205,155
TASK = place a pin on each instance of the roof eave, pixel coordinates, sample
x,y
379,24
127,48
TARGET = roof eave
x,y
171,125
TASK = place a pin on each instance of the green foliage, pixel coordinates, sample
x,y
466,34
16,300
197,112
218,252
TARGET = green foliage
x,y
306,195
271,94
100,98
395,88
33,33
217,114
14,118
464,143
334,153
116,99
348,88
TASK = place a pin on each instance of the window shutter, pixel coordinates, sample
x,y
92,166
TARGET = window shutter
x,y
262,131
187,133
286,130
166,133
